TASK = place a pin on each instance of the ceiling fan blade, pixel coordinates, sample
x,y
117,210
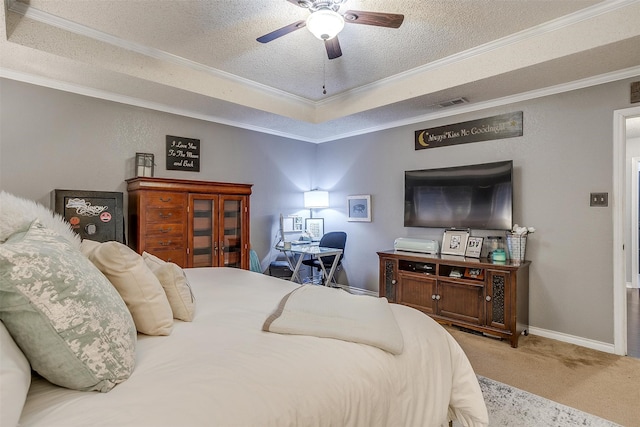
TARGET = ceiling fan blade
x,y
302,3
390,20
333,48
282,31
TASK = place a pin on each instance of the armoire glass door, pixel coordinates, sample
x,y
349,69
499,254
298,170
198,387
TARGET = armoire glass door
x,y
232,222
203,245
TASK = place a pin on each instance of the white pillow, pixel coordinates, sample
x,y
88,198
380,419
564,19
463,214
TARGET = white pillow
x,y
15,379
176,286
137,285
17,214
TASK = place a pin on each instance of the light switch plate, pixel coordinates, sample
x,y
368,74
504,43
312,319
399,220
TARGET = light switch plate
x,y
599,199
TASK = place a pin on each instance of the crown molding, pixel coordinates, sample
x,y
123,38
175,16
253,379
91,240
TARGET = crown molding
x,y
137,102
73,27
466,108
498,102
554,25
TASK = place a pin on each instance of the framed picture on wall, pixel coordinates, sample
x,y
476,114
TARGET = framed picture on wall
x,y
454,242
359,208
297,222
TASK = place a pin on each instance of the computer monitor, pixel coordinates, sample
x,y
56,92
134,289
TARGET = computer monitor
x,y
281,229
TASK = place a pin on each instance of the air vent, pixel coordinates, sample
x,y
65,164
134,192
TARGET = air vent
x,y
452,102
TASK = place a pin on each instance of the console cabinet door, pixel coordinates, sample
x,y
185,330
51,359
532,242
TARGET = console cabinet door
x,y
498,297
388,279
461,301
417,291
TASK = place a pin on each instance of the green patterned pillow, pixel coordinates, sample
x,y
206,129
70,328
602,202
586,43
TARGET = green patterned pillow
x,y
63,313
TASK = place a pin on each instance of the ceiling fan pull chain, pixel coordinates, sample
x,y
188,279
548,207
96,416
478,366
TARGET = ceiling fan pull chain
x,y
324,76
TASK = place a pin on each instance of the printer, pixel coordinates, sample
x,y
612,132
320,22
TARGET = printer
x,y
417,245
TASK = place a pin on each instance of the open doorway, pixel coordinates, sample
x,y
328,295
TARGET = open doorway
x,y
633,293
623,229
633,226
632,130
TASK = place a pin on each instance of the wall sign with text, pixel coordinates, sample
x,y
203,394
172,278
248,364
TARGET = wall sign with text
x,y
183,154
497,127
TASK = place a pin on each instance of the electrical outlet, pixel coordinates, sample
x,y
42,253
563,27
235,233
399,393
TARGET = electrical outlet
x,y
599,199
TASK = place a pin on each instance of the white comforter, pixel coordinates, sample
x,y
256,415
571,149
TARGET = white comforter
x,y
223,370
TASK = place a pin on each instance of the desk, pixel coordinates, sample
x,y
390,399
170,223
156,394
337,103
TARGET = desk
x,y
316,252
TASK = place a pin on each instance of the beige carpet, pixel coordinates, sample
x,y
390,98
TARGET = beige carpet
x,y
599,383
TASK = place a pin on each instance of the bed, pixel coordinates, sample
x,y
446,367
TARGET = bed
x,y
222,369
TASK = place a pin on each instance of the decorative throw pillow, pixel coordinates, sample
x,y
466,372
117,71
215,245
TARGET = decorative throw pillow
x,y
69,321
138,286
17,214
176,286
15,377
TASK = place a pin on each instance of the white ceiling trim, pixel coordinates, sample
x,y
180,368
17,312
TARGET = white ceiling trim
x,y
73,27
498,102
335,106
466,108
136,102
554,25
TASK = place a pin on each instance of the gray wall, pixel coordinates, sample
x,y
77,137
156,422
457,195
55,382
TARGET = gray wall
x,y
56,140
51,139
565,153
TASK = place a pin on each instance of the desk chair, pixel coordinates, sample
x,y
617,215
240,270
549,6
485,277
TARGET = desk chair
x,y
333,239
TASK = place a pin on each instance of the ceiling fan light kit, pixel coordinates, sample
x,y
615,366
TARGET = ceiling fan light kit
x,y
325,24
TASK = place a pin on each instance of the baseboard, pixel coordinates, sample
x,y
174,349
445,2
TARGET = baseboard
x,y
559,336
572,339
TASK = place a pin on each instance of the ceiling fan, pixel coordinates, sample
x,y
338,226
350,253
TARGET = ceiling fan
x,y
325,22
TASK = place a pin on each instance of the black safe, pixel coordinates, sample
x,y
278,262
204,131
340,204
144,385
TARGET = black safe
x,y
94,215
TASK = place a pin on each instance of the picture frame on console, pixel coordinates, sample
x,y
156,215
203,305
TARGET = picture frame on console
x,y
474,247
454,242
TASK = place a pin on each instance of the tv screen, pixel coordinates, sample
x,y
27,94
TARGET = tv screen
x,y
472,196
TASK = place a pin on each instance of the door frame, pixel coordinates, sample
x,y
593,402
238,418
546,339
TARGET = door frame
x,y
618,208
635,229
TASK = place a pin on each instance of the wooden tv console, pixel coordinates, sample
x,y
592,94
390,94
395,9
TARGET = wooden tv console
x,y
477,294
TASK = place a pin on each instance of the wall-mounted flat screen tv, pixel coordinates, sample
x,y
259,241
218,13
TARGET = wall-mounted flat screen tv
x,y
471,196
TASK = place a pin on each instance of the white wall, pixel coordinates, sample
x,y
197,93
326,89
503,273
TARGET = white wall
x,y
51,139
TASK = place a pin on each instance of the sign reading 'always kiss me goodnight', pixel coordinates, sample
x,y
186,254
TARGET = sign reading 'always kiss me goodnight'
x,y
496,127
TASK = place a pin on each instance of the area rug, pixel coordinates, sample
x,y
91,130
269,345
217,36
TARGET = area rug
x,y
509,406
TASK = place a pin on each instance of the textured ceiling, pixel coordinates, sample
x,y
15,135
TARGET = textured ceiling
x,y
200,58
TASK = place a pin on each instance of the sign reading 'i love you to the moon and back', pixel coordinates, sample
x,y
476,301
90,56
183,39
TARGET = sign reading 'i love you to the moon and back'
x,y
183,154
496,127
